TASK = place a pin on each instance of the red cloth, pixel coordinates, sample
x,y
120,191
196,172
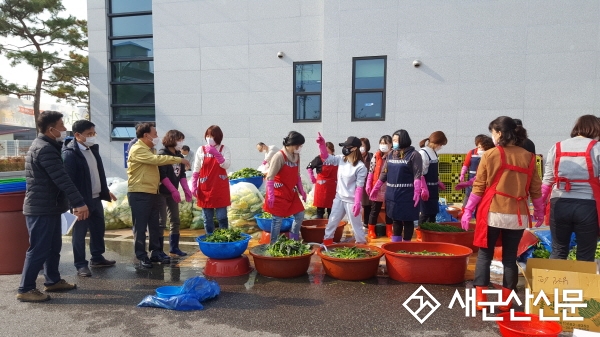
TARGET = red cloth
x,y
213,187
287,202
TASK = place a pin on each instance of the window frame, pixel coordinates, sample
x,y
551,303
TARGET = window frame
x,y
307,93
359,91
114,123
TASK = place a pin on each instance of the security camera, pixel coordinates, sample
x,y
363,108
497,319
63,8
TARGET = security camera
x,y
416,63
280,54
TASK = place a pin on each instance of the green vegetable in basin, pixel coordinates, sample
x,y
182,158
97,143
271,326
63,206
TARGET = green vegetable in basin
x,y
224,235
285,247
424,253
350,253
435,227
245,173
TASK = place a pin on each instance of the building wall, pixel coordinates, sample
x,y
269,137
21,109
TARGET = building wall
x,y
216,63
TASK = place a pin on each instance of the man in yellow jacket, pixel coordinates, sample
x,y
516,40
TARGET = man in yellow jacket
x,y
142,193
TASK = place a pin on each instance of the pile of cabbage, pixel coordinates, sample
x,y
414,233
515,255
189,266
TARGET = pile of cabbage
x,y
246,202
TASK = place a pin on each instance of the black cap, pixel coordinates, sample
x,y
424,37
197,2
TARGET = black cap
x,y
352,141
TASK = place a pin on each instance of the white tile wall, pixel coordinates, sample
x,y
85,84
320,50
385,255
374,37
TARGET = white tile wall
x,y
216,63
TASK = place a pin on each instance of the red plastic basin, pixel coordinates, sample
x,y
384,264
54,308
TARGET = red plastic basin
x,y
228,268
314,230
351,269
457,238
426,269
533,327
12,202
280,267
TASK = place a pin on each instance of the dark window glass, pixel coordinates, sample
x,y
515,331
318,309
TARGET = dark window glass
x,y
133,93
129,48
368,105
136,114
308,77
122,131
126,6
133,71
308,107
132,25
369,74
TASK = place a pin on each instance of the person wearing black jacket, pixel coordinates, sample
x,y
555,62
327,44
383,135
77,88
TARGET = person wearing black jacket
x,y
169,198
83,164
49,193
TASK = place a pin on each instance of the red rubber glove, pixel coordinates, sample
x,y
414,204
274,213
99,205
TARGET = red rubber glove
x,y
369,186
375,190
441,186
357,199
463,171
424,189
322,147
539,210
474,200
270,193
301,188
417,193
195,176
186,189
311,175
174,192
215,153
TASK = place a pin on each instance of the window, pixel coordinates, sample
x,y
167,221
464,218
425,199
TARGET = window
x,y
132,66
307,91
368,88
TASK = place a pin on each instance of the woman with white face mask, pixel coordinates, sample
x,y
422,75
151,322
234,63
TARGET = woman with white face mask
x,y
283,185
375,168
210,183
471,164
171,176
430,181
325,182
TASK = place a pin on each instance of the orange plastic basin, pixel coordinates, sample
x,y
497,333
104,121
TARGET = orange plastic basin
x,y
533,327
280,267
426,269
314,230
457,238
351,269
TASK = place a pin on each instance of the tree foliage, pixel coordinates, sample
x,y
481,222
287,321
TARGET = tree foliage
x,y
45,36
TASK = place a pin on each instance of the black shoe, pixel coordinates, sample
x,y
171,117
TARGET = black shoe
x,y
146,263
161,258
103,263
84,272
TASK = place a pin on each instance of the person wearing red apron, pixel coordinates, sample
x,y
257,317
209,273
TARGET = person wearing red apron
x,y
325,182
571,182
210,183
375,169
506,178
283,186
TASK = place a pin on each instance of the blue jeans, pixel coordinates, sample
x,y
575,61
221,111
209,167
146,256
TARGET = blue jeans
x,y
45,243
276,225
209,215
95,224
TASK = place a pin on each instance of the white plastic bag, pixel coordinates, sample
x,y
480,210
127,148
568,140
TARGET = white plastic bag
x,y
246,202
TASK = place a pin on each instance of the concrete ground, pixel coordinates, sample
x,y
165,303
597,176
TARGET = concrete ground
x,y
252,305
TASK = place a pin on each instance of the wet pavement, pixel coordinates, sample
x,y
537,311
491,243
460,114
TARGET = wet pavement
x,y
250,305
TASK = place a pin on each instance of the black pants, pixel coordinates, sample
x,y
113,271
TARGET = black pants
x,y
144,213
510,245
426,218
404,229
366,214
578,216
45,243
375,209
95,224
321,212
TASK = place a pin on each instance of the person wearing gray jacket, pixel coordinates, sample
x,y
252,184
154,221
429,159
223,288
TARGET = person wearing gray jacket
x,y
49,193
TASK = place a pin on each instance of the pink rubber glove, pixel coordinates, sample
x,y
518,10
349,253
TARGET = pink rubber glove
x,y
369,186
301,188
375,190
311,175
463,171
464,184
441,186
195,176
174,192
417,193
270,193
264,162
322,147
474,200
546,190
424,189
357,198
186,189
539,210
215,153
